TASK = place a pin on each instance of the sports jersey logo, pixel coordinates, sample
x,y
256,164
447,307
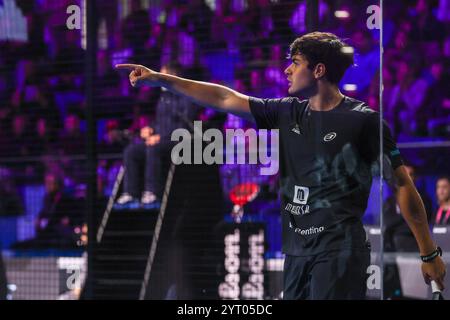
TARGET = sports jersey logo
x,y
301,195
329,136
296,129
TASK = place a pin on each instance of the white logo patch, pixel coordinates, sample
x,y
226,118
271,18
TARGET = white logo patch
x,y
301,195
296,130
329,136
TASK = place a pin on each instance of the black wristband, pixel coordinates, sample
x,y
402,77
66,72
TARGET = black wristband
x,y
431,256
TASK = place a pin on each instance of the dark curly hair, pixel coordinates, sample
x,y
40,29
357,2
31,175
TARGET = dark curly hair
x,y
326,48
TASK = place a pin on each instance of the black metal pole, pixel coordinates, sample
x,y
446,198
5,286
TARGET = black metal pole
x,y
312,15
91,152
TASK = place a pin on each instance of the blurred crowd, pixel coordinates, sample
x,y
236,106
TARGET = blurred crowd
x,y
241,43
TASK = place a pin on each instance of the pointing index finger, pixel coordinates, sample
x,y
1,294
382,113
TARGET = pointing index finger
x,y
127,66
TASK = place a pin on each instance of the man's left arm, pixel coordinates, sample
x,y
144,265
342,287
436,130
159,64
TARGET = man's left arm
x,y
413,210
407,197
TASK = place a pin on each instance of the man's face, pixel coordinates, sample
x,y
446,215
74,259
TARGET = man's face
x,y
301,79
443,190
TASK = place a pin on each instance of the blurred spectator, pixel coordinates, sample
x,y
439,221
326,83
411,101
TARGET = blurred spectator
x,y
107,172
72,140
69,57
426,27
4,130
57,220
257,85
180,46
19,144
107,10
280,14
258,17
437,112
10,203
136,28
298,20
107,80
173,112
367,61
275,82
44,137
139,121
198,18
114,139
407,96
442,216
33,94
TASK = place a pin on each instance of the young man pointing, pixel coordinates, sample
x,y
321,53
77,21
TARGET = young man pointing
x,y
329,148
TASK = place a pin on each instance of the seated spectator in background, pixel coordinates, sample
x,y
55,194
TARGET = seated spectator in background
x,y
114,139
18,144
408,95
43,139
72,140
367,61
442,216
107,172
33,94
426,27
398,236
10,202
274,77
437,101
71,149
58,219
172,112
256,82
5,132
136,28
107,81
69,55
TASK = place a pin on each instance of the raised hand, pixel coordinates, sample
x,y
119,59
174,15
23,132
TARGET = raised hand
x,y
152,140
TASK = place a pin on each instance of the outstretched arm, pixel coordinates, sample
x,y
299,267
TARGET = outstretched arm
x,y
204,93
413,211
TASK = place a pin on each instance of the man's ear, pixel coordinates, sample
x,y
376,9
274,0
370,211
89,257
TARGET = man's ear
x,y
319,70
